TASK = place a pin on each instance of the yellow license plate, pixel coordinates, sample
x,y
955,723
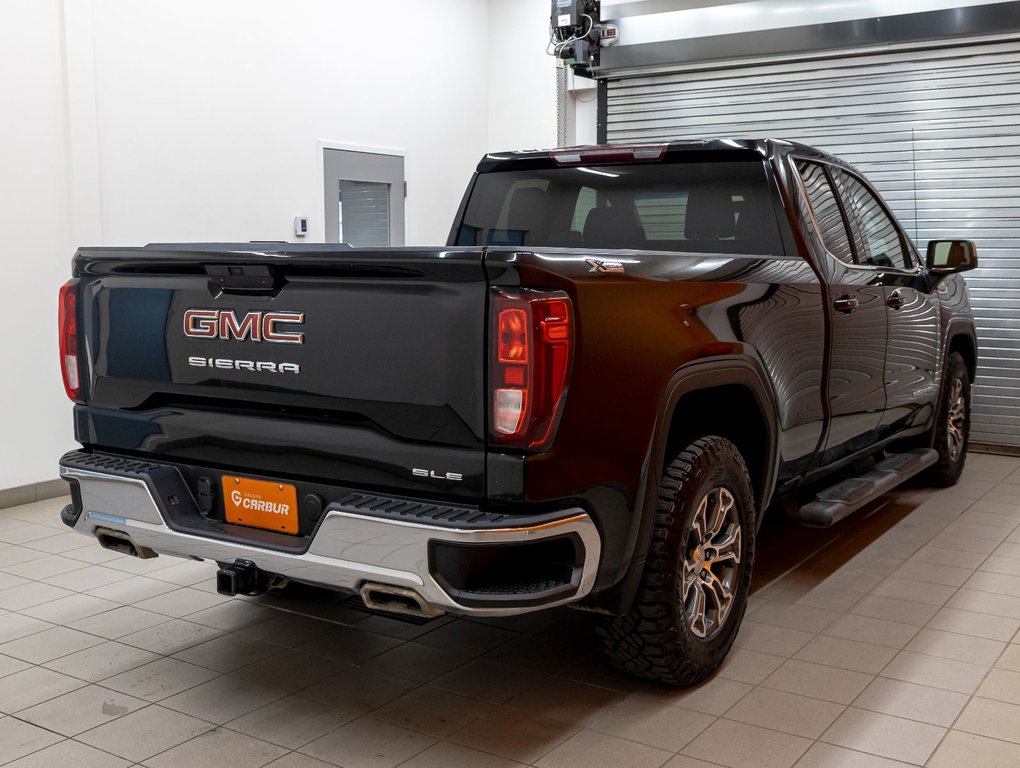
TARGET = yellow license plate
x,y
260,504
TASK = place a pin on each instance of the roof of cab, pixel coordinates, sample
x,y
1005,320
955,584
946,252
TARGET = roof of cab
x,y
503,161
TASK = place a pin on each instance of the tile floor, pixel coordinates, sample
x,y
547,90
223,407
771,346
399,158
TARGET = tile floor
x,y
890,639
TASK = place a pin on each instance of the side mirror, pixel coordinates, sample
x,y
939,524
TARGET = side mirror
x,y
946,256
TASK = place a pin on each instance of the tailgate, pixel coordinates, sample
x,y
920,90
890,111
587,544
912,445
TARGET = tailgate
x,y
353,366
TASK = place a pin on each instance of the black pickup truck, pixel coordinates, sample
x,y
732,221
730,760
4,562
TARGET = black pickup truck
x,y
591,395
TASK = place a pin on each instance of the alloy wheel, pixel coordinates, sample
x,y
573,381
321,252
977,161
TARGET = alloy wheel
x,y
956,421
711,563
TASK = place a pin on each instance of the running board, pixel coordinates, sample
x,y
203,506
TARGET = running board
x,y
834,503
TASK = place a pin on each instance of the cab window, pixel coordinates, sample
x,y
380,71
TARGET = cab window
x,y
831,224
883,241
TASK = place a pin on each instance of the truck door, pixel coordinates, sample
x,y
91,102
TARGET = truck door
x,y
857,321
914,337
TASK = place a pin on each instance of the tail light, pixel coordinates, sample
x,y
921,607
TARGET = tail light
x,y
531,339
645,153
69,339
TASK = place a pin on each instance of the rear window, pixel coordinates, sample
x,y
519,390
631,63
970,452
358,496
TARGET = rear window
x,y
702,206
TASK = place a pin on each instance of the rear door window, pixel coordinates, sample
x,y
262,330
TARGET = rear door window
x,y
832,226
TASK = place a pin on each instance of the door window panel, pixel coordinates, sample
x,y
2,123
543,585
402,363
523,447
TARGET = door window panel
x,y
831,225
882,239
363,213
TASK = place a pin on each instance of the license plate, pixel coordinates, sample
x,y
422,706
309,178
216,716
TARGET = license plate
x,y
260,504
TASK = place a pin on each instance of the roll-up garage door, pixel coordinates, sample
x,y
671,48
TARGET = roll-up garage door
x,y
936,131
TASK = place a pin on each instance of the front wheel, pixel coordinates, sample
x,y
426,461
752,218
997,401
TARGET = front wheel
x,y
952,425
698,574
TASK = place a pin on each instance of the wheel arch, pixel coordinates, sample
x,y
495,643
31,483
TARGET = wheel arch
x,y
741,385
732,398
731,411
963,339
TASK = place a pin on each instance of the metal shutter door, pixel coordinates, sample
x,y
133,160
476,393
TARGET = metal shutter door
x,y
941,122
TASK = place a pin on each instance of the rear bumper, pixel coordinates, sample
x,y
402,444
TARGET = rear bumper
x,y
497,565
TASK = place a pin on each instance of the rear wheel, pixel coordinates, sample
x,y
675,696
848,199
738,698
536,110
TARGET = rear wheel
x,y
952,425
694,589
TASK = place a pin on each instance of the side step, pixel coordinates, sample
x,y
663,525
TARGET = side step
x,y
834,503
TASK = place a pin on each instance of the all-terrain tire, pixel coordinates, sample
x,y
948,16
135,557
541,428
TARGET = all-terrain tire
x,y
658,639
952,424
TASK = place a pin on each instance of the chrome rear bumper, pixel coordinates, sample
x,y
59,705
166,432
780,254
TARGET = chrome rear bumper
x,y
348,549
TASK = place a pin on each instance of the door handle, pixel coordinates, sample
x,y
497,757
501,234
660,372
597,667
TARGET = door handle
x,y
845,304
895,300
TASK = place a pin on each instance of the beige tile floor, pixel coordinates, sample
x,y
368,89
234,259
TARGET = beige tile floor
x,y
890,639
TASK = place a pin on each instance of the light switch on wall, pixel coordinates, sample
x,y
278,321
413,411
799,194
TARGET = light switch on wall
x,y
301,226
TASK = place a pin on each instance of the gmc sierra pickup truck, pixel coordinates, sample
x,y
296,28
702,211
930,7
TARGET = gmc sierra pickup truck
x,y
589,396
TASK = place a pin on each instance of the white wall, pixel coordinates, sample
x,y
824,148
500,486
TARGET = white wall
x,y
522,78
209,113
582,108
129,122
35,248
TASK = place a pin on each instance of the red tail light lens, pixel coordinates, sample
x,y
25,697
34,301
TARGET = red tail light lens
x,y
513,336
532,335
69,339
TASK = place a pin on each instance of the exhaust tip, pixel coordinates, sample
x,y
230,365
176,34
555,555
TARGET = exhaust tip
x,y
118,541
399,600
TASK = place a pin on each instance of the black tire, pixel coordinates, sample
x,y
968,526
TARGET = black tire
x,y
952,424
657,639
